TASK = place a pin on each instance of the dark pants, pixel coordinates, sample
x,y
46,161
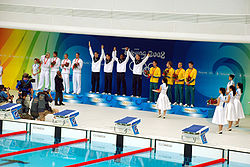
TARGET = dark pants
x,y
189,91
178,93
108,82
59,95
121,80
153,95
137,85
169,92
95,81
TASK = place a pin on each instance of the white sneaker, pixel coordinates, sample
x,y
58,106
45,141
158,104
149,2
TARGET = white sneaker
x,y
77,93
73,93
103,93
185,105
181,104
175,103
123,95
159,116
90,92
97,92
109,93
192,106
132,96
137,96
116,94
148,101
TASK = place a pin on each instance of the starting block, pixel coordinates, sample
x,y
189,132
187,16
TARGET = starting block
x,y
195,134
127,125
65,118
10,111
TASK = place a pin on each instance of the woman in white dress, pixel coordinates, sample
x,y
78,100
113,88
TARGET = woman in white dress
x,y
36,69
219,117
238,105
163,103
230,108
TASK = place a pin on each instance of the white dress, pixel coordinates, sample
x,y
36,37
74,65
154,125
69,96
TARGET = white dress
x,y
219,117
230,108
238,106
163,102
227,90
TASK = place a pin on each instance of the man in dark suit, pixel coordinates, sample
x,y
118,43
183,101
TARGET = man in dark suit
x,y
59,88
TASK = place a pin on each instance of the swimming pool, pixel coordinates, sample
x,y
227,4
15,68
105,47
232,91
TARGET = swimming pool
x,y
86,151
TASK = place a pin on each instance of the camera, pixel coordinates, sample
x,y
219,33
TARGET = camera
x,y
3,88
45,91
30,79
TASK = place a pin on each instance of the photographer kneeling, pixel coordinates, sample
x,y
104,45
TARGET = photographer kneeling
x,y
44,98
25,86
5,96
24,112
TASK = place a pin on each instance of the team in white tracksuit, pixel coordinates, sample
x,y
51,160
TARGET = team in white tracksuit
x,y
54,69
35,74
96,67
108,69
137,73
121,71
44,75
65,66
77,67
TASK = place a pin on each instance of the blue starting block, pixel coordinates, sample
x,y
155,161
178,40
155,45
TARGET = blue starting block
x,y
195,134
65,118
127,125
10,111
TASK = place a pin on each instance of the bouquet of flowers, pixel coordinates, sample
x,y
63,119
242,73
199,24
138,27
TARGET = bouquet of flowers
x,y
175,76
147,73
156,90
66,64
75,65
165,72
52,64
212,101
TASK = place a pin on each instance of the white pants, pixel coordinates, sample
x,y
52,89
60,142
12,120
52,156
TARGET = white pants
x,y
35,84
52,80
77,83
44,75
66,82
1,82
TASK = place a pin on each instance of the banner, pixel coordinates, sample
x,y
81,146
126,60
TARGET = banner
x,y
214,61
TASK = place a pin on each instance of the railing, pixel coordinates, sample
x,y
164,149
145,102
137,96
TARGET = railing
x,y
115,14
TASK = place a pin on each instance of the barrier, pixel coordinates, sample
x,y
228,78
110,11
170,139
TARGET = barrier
x,y
43,148
111,157
222,160
13,133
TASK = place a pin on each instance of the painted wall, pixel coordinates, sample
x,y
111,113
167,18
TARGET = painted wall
x,y
214,61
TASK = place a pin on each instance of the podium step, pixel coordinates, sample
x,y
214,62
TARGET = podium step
x,y
133,103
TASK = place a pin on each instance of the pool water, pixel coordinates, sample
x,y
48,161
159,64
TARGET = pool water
x,y
82,152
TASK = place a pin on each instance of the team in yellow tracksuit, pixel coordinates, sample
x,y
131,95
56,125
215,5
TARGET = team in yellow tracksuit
x,y
168,73
190,78
155,74
179,84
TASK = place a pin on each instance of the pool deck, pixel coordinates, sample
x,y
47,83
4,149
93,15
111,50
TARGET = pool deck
x,y
102,119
